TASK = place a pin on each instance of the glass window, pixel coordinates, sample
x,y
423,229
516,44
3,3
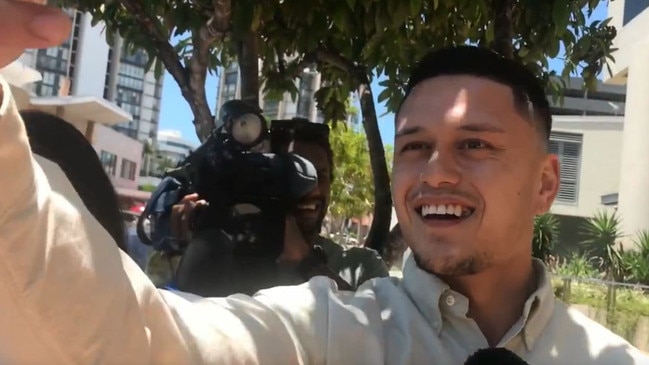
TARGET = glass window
x,y
127,170
568,148
231,78
632,8
109,161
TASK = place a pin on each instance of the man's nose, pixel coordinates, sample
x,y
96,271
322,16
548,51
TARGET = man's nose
x,y
315,192
440,170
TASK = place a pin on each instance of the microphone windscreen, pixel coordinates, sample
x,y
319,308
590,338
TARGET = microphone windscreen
x,y
495,356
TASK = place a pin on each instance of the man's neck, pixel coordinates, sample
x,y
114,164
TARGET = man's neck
x,y
496,297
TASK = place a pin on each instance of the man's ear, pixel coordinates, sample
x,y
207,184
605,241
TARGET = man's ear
x,y
550,179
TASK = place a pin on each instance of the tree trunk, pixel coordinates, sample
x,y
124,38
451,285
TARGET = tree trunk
x,y
197,68
248,56
503,32
203,118
378,234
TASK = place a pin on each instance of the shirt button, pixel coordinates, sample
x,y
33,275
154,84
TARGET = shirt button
x,y
450,300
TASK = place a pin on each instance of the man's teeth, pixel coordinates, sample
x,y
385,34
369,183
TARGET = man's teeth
x,y
307,206
450,209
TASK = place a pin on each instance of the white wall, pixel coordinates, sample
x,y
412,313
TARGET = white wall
x,y
92,59
633,34
600,161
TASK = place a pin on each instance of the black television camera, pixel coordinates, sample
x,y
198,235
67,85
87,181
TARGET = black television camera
x,y
250,181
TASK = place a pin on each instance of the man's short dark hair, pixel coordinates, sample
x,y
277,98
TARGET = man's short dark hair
x,y
529,94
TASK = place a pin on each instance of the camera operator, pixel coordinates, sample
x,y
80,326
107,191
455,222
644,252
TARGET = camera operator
x,y
353,265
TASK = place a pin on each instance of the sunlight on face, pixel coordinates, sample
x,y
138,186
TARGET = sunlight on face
x,y
458,111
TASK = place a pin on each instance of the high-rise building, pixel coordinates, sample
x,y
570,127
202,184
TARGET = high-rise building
x,y
304,106
134,89
86,65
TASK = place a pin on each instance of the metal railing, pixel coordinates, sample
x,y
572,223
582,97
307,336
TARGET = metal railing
x,y
621,307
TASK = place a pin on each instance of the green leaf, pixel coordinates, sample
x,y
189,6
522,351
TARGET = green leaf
x,y
591,83
149,63
610,71
560,16
553,48
415,7
256,18
159,70
400,14
605,22
490,33
384,95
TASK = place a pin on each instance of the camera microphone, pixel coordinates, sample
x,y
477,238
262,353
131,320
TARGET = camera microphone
x,y
495,356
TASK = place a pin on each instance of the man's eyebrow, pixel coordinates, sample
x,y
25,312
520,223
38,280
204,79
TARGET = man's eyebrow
x,y
481,127
406,131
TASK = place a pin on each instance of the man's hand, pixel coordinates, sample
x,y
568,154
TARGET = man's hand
x,y
29,24
182,216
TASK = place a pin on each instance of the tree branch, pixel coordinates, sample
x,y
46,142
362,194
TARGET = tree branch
x,y
202,42
220,23
188,80
166,52
503,32
297,69
328,55
248,59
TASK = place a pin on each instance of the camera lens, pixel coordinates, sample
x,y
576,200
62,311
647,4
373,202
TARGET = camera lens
x,y
247,129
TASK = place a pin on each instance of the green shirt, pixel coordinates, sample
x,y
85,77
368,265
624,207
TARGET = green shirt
x,y
355,265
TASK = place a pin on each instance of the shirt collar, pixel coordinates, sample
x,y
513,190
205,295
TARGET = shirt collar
x,y
539,307
428,294
425,290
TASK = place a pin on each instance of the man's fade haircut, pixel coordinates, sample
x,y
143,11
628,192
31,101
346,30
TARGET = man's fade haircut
x,y
529,94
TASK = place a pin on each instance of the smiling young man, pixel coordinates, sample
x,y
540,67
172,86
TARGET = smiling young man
x,y
355,265
470,173
471,138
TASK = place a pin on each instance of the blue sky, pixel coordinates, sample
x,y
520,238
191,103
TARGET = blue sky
x,y
175,113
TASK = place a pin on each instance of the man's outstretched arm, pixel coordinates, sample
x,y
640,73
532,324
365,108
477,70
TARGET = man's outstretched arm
x,y
69,296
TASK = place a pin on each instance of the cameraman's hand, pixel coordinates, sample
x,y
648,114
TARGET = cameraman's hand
x,y
29,24
295,246
182,216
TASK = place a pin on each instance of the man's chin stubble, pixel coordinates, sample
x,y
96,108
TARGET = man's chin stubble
x,y
463,267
